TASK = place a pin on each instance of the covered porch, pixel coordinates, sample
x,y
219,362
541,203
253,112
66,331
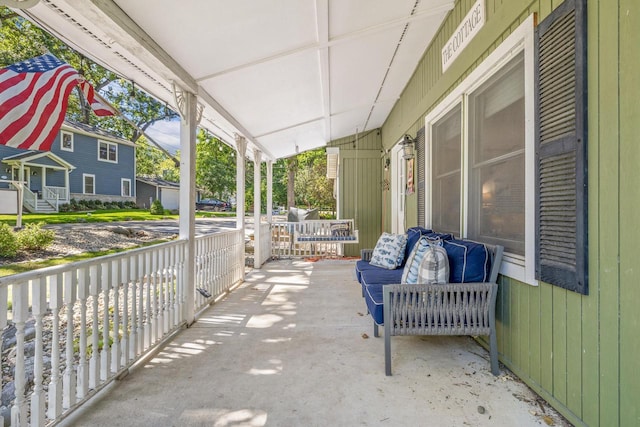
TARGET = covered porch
x,y
41,179
293,345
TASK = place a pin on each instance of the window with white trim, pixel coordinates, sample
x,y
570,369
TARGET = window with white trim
x,y
107,151
480,154
88,184
125,185
66,141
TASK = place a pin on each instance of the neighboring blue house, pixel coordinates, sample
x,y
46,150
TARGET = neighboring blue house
x,y
84,163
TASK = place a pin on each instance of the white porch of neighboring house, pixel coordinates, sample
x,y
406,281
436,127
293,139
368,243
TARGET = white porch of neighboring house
x,y
32,173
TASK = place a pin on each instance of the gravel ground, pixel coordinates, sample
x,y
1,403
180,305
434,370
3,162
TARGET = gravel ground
x,y
76,239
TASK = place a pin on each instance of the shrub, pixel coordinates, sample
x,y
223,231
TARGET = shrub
x,y
33,237
8,242
157,208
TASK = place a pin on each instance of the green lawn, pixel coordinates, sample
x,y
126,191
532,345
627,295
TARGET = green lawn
x,y
100,216
21,267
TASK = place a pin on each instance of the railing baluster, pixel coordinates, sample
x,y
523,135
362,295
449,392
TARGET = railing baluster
x,y
116,348
94,361
126,283
155,335
20,314
140,340
105,360
55,384
38,308
147,284
133,335
83,371
69,376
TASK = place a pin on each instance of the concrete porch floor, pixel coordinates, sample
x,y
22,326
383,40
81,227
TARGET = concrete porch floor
x,y
289,347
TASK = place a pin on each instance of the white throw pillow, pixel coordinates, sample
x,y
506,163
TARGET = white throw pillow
x,y
389,251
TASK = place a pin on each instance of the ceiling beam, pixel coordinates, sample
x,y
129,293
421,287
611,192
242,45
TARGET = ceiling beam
x,y
322,24
354,35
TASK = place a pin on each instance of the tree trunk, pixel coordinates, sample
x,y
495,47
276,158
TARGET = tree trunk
x,y
291,178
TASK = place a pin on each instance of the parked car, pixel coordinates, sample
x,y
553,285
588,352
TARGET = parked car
x,y
211,205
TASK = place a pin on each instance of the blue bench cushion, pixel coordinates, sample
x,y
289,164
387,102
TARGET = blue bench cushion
x,y
373,298
362,265
381,276
468,261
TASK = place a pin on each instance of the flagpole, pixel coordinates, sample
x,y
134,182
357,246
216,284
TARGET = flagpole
x,y
135,126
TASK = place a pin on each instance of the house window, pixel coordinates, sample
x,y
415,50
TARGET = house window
x,y
66,141
496,159
108,151
88,184
126,187
480,154
446,146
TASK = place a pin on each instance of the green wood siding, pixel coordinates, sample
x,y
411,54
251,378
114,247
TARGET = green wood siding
x,y
578,352
360,187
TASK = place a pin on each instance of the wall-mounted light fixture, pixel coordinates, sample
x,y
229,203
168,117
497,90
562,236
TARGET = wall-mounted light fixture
x,y
407,147
387,163
34,173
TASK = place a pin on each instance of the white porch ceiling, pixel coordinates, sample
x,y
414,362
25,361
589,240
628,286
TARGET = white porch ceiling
x,y
289,75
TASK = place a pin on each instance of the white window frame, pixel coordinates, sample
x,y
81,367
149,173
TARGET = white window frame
x,y
84,183
519,267
122,181
109,144
62,135
398,186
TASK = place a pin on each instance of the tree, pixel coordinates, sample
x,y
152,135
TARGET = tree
x,y
312,188
215,166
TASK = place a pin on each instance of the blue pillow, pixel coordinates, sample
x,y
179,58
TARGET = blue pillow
x,y
389,251
468,261
413,235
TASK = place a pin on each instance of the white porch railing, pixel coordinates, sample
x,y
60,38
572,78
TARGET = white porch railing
x,y
99,317
219,264
53,193
29,198
265,243
313,238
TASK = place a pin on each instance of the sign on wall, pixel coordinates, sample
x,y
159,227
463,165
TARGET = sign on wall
x,y
466,31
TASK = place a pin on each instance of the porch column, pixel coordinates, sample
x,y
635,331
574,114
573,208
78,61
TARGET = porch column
x,y
269,191
187,197
241,148
66,184
257,161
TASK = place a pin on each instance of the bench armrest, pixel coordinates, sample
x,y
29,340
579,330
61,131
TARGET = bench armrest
x,y
365,254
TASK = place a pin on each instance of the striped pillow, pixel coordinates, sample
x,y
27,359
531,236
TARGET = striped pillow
x,y
434,268
410,272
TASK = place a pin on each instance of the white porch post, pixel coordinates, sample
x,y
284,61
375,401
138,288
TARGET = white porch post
x,y
66,184
187,224
241,148
257,161
269,191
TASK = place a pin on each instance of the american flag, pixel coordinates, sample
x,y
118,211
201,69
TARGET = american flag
x,y
99,106
33,101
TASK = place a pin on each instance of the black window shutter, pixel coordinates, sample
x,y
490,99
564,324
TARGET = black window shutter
x,y
421,175
561,147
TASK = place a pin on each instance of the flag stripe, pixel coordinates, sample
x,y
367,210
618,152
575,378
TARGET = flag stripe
x,y
47,96
34,96
48,123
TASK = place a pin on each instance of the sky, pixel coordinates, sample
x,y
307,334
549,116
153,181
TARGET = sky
x,y
167,134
